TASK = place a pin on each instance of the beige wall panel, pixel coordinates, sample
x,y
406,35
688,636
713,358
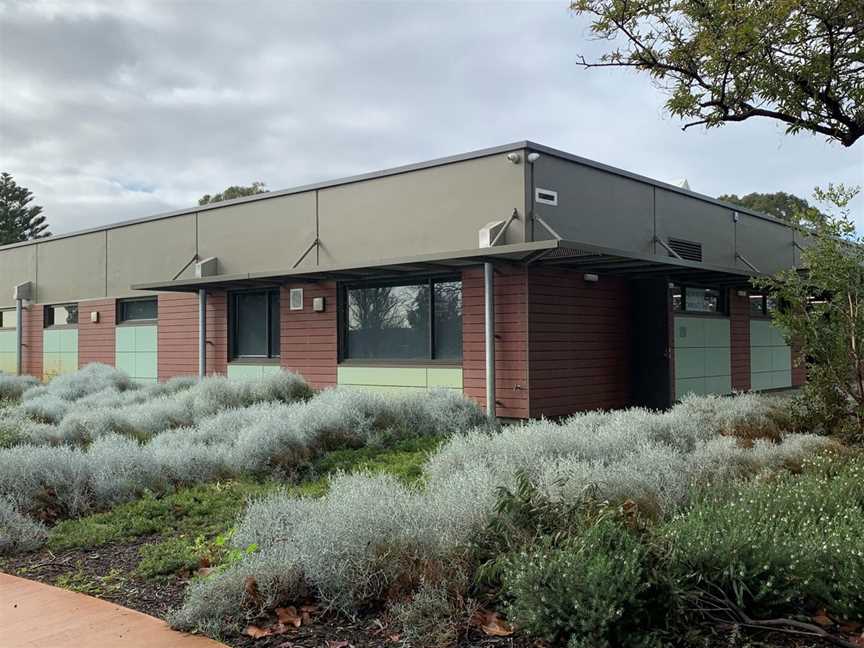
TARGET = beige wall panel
x,y
71,269
420,212
17,265
259,236
152,251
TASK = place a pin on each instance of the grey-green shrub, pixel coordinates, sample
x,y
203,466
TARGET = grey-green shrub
x,y
352,544
779,546
13,387
18,532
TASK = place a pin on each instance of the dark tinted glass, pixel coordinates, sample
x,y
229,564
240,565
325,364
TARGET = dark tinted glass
x,y
250,324
702,300
388,322
61,315
7,319
757,305
448,320
142,309
274,323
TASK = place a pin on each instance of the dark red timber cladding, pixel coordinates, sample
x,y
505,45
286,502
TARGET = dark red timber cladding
x,y
739,331
308,341
580,347
96,339
178,334
32,340
511,340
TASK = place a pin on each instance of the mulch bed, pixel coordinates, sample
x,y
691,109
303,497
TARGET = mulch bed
x,y
156,598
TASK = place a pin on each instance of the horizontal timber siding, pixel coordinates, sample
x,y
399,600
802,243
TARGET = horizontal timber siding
x,y
309,340
96,340
580,342
178,334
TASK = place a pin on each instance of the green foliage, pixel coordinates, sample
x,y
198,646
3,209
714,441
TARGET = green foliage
x,y
824,311
403,459
167,558
783,546
722,61
593,589
202,510
787,207
232,192
19,221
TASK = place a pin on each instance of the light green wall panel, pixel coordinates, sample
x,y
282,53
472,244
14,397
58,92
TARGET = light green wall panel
x,y
8,352
135,352
401,378
770,357
8,341
251,372
450,378
59,352
689,332
703,358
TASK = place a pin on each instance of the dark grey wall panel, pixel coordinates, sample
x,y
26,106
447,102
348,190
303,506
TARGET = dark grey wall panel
x,y
765,244
691,219
594,206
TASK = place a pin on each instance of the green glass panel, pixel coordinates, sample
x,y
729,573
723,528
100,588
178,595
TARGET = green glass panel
x,y
50,341
145,365
8,341
717,332
689,332
689,386
383,376
718,361
125,362
689,363
718,384
450,378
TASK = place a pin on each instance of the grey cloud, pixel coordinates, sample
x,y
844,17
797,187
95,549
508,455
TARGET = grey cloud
x,y
188,97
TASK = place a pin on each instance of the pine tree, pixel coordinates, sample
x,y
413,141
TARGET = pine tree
x,y
19,221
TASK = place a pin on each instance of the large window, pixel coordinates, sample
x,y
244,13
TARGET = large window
x,y
406,321
255,324
61,315
136,310
692,299
8,319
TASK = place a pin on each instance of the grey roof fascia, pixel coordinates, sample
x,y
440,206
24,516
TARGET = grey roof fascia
x,y
325,184
541,148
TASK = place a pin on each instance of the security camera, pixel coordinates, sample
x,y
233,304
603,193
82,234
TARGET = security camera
x,y
533,157
515,158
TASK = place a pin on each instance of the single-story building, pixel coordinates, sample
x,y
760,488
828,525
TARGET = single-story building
x,y
603,288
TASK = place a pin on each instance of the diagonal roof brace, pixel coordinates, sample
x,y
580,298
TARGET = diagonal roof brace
x,y
742,258
666,247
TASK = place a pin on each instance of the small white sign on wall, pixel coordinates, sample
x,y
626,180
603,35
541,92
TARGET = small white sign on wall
x,y
296,299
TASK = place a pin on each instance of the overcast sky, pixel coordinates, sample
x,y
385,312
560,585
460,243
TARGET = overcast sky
x,y
110,111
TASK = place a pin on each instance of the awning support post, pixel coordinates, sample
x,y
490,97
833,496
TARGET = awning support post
x,y
489,323
19,336
202,333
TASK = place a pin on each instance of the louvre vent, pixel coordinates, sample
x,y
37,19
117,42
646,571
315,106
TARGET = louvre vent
x,y
686,249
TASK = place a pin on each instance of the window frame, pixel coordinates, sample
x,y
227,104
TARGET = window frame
x,y
270,358
14,327
722,300
121,321
430,359
52,325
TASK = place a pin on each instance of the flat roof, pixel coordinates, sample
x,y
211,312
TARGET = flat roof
x,y
471,155
586,257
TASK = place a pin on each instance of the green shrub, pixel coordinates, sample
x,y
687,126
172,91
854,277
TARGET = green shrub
x,y
778,546
593,588
167,558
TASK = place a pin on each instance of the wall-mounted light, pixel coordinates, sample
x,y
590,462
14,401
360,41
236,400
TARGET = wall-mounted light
x,y
318,304
533,157
515,158
94,317
742,293
591,278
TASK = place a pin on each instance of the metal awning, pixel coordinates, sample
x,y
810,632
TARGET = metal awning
x,y
581,257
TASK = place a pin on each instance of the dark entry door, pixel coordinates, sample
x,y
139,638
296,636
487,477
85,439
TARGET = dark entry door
x,y
652,368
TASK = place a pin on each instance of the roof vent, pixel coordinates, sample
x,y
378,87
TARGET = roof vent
x,y
687,250
681,183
